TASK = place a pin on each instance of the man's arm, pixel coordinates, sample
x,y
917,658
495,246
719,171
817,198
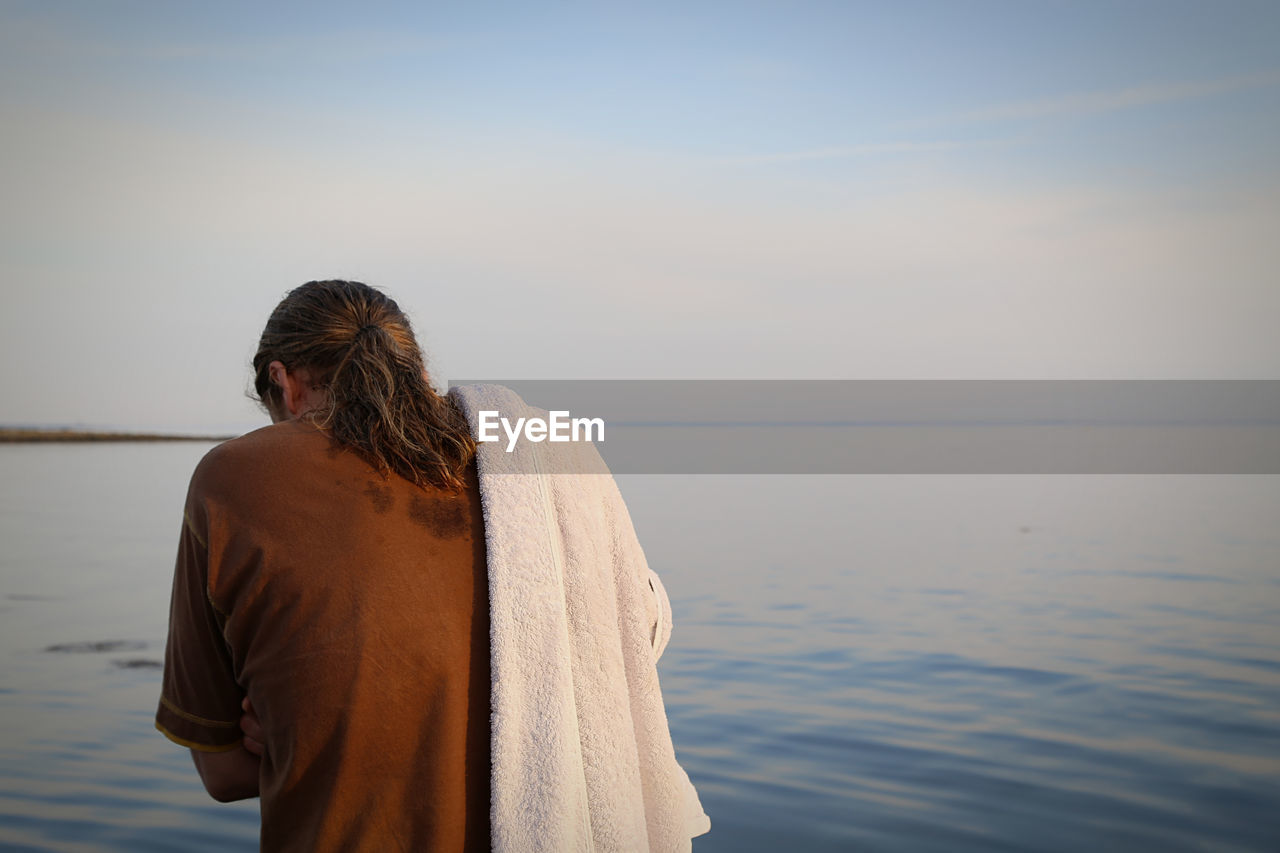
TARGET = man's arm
x,y
228,775
199,696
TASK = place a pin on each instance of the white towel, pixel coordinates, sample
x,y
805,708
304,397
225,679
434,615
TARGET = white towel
x,y
582,755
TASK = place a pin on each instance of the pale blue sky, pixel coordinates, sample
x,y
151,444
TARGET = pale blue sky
x,y
753,190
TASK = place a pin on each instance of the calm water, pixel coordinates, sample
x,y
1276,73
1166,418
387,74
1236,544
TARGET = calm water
x,y
859,663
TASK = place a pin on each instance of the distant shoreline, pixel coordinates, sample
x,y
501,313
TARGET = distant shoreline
x,y
16,435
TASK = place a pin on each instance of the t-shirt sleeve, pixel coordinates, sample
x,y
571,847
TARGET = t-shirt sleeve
x,y
199,698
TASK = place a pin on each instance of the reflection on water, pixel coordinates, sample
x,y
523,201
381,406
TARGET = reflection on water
x,y
880,663
98,646
952,663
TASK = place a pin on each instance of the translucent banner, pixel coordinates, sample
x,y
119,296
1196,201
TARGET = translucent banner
x,y
900,427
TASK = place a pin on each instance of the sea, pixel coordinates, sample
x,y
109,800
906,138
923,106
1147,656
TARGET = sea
x,y
859,662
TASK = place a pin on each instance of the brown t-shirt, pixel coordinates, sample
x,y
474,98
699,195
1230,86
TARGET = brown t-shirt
x,y
352,608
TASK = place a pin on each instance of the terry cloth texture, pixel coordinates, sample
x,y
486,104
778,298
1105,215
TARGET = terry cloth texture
x,y
352,609
582,755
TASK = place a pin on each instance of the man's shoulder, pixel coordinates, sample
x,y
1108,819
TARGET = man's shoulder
x,y
257,453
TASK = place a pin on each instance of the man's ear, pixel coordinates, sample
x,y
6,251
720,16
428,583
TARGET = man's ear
x,y
291,390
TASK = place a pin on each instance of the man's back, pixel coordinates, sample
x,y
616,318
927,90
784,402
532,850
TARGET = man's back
x,y
355,614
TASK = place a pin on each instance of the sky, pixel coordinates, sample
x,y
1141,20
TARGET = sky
x,y
1029,190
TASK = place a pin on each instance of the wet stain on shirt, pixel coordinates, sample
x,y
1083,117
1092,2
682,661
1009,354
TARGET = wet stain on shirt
x,y
445,517
379,495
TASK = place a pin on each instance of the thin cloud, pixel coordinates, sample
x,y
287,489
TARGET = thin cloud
x,y
837,152
1087,103
348,46
50,37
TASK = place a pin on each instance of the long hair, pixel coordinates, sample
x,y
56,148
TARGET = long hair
x,y
359,348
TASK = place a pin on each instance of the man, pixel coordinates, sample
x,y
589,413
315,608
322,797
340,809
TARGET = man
x,y
331,570
374,633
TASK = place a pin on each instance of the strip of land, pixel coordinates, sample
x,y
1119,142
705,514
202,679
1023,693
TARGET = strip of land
x,y
13,435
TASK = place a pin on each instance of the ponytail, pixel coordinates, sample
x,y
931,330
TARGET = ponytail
x,y
378,401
